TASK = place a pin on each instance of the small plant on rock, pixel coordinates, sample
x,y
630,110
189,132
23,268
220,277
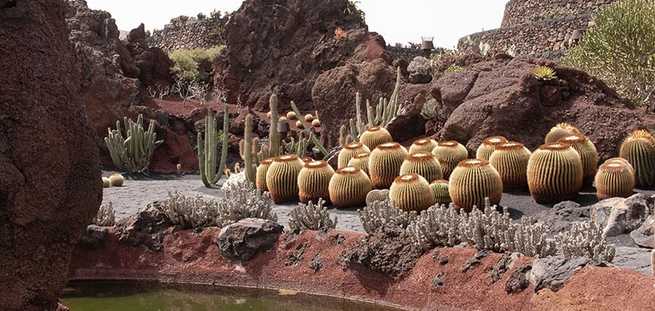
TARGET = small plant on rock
x,y
106,216
544,73
311,216
585,239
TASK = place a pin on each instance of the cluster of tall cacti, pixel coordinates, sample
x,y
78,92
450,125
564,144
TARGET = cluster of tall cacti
x,y
212,167
131,148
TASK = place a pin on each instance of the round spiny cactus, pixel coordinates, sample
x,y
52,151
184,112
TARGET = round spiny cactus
x,y
116,180
614,179
588,154
423,164
300,125
375,136
348,152
313,181
488,146
106,183
282,178
291,115
283,125
639,150
440,192
449,154
360,161
260,176
384,164
472,181
349,187
560,131
309,118
555,173
423,145
511,161
307,160
411,193
622,161
316,123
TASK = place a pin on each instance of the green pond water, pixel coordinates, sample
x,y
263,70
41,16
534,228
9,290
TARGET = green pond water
x,y
112,296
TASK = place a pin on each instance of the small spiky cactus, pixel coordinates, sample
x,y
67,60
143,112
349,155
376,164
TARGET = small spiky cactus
x,y
274,134
511,161
349,151
588,154
375,136
262,169
472,181
384,164
555,173
560,131
488,146
116,180
360,161
349,187
423,164
411,193
614,179
309,118
440,192
449,154
639,150
282,127
291,115
313,181
106,183
282,178
423,145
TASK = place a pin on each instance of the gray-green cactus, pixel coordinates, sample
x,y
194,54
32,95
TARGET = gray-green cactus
x,y
210,173
132,152
248,147
380,115
274,135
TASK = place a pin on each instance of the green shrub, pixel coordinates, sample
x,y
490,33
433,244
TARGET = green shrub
x,y
619,48
186,63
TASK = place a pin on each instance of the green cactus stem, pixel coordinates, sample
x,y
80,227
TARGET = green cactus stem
x,y
132,152
274,135
207,148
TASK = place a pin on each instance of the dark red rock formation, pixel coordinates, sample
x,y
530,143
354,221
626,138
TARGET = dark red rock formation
x,y
49,176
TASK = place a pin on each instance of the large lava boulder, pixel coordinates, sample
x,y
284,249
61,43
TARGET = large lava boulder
x,y
50,185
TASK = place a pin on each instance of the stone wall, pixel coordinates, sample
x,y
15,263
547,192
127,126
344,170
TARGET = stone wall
x,y
519,12
185,32
404,53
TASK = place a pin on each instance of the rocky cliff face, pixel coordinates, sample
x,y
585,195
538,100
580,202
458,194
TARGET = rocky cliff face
x,y
49,175
186,32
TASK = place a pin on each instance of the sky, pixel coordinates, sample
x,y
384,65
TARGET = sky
x,y
445,20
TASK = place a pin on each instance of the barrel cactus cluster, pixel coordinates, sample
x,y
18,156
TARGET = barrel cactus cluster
x,y
488,146
422,164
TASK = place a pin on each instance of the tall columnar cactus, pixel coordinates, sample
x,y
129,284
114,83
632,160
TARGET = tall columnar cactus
x,y
423,145
511,161
472,181
423,164
348,152
282,178
384,164
560,131
132,154
639,150
449,154
248,147
212,168
614,179
588,154
440,192
262,169
274,134
555,173
375,136
411,193
349,187
488,146
313,181
360,161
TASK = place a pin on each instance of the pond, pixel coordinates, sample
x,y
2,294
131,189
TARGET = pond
x,y
121,296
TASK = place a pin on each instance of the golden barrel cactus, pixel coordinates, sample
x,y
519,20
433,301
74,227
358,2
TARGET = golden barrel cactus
x,y
349,187
472,181
622,161
511,161
106,183
560,131
282,178
348,152
555,173
411,193
639,150
313,181
449,154
488,146
423,164
260,175
384,164
614,179
116,180
423,145
440,192
588,154
360,161
375,136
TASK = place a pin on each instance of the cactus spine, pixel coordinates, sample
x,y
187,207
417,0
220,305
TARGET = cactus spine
x,y
207,148
440,192
511,161
422,145
375,136
614,179
349,151
472,181
313,181
639,150
384,164
488,146
555,173
274,134
262,169
560,131
411,193
588,154
422,164
282,178
360,161
248,148
449,154
349,187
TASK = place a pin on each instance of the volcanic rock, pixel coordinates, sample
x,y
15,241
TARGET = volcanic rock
x,y
50,185
552,272
618,215
246,238
644,236
420,70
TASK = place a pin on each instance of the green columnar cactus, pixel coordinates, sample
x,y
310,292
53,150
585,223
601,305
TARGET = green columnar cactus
x,y
488,146
511,161
132,154
360,161
472,181
313,181
555,173
639,150
348,152
449,154
411,193
274,135
384,164
614,179
349,187
207,148
423,164
588,154
282,178
248,147
560,131
423,145
440,192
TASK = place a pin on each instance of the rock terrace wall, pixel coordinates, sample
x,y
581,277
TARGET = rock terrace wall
x,y
189,33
